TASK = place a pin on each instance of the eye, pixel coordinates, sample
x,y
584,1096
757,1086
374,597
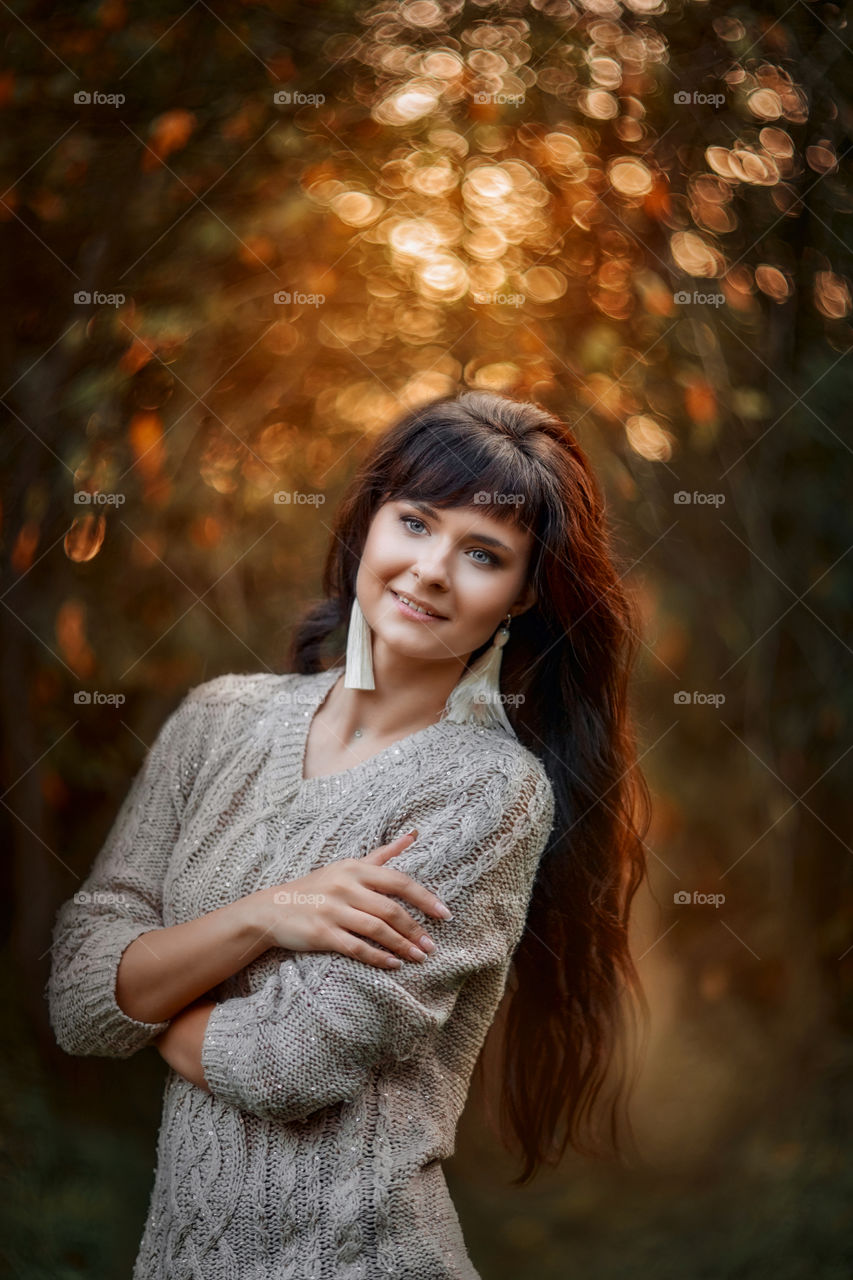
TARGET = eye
x,y
490,557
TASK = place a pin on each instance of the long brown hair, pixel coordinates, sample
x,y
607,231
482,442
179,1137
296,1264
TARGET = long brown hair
x,y
573,982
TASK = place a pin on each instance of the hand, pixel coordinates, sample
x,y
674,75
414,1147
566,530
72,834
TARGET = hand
x,y
327,909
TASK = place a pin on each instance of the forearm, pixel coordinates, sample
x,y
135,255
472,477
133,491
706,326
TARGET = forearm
x,y
180,1044
164,970
310,1036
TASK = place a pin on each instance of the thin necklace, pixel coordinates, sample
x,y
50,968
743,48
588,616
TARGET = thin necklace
x,y
358,733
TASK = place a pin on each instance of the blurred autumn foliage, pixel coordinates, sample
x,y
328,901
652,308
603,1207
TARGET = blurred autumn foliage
x,y
240,239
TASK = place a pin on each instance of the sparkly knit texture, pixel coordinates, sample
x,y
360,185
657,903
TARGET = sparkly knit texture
x,y
336,1087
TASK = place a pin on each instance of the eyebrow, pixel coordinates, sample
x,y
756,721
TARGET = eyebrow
x,y
481,537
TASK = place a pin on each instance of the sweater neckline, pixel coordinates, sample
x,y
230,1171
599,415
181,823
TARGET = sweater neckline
x,y
330,784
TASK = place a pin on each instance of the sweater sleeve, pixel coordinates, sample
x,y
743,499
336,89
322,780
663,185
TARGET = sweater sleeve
x,y
310,1035
119,900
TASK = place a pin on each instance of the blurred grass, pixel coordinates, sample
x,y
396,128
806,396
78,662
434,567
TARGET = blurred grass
x,y
79,1153
776,1202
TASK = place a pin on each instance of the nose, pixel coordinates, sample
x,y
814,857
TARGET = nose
x,y
431,569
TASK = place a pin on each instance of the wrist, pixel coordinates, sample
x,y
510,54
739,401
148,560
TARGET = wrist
x,y
250,927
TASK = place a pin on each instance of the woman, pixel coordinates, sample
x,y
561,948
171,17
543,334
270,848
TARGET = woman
x,y
243,915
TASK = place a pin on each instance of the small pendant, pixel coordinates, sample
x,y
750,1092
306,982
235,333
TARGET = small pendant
x,y
357,733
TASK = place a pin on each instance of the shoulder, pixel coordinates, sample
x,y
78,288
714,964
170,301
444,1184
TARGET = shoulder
x,y
497,766
247,690
255,688
493,752
219,709
232,704
215,715
481,800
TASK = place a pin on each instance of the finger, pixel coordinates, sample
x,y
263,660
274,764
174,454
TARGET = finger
x,y
388,880
385,851
372,927
357,949
389,923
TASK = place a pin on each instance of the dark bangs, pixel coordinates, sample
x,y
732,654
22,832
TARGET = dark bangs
x,y
444,456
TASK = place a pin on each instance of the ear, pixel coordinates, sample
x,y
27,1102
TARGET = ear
x,y
524,601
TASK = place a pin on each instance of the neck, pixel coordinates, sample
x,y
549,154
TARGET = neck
x,y
404,699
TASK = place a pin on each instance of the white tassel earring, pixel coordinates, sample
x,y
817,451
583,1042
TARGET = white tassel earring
x,y
359,669
476,699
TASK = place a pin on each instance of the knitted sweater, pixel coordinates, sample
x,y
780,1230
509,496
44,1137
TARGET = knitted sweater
x,y
336,1087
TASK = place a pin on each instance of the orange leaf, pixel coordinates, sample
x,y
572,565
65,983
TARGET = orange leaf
x,y
701,401
146,442
71,637
135,357
170,132
25,546
112,15
657,203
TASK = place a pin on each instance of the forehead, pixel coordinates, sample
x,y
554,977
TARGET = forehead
x,y
474,519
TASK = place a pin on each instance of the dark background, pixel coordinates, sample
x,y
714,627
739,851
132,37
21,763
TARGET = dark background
x,y
637,216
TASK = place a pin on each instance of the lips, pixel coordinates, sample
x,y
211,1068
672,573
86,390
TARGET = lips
x,y
440,617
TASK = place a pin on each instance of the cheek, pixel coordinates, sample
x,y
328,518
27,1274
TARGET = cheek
x,y
481,594
389,551
376,543
381,562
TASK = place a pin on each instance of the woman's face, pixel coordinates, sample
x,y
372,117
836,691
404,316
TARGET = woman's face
x,y
448,561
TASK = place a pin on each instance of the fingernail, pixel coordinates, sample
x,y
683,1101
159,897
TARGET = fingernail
x,y
442,910
413,832
426,943
416,953
393,962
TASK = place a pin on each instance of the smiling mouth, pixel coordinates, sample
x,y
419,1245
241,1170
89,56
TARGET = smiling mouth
x,y
409,604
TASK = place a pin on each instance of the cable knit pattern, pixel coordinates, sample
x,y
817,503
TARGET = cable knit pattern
x,y
336,1087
